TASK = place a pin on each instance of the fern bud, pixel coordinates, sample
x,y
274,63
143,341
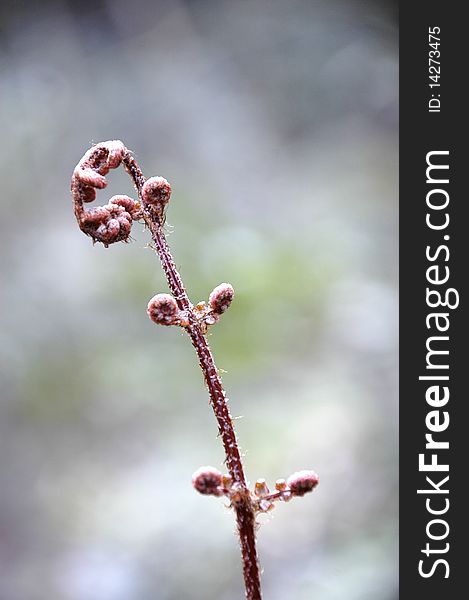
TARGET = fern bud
x,y
156,193
208,481
302,482
221,297
163,310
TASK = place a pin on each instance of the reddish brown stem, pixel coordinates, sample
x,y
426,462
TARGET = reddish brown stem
x,y
245,514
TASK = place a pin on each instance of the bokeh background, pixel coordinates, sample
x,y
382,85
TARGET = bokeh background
x,y
276,123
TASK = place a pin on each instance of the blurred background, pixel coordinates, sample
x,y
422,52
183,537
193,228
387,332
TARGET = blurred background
x,y
276,124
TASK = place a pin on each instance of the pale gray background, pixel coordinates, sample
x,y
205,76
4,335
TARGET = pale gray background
x,y
276,123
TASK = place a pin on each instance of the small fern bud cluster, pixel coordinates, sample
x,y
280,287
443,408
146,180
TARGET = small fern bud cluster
x,y
163,309
297,484
210,481
218,302
110,223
